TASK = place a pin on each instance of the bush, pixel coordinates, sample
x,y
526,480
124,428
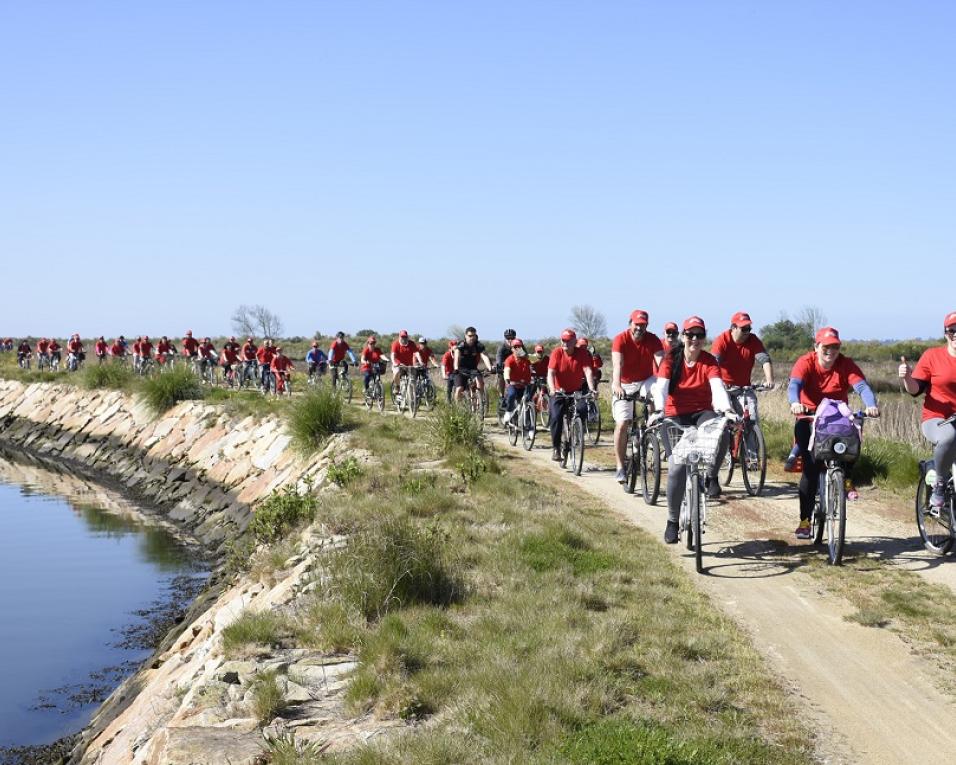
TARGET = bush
x,y
163,391
257,628
393,564
314,417
117,376
267,698
454,427
280,513
343,473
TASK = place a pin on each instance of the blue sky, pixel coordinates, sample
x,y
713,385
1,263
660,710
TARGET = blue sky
x,y
418,164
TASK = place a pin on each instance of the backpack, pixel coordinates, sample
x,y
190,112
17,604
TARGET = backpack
x,y
835,435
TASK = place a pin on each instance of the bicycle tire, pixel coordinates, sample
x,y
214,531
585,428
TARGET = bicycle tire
x,y
651,468
936,531
594,428
753,460
514,428
412,388
544,413
345,386
835,516
577,445
431,395
695,499
632,463
730,459
528,426
380,396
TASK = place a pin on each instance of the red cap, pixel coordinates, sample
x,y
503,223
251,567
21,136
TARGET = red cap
x,y
827,336
670,327
694,321
539,348
517,343
639,317
403,333
740,318
569,334
452,343
950,319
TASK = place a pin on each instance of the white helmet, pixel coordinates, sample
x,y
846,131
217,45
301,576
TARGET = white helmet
x,y
422,340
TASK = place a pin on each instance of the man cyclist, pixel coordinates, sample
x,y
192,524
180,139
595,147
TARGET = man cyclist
x,y
371,359
229,360
539,362
190,345
517,374
247,355
316,360
282,367
671,335
145,349
503,352
448,369
403,356
467,355
164,350
117,349
567,365
54,351
101,349
208,358
24,351
338,350
264,357
635,355
231,343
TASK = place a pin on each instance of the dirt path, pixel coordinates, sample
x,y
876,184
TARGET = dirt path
x,y
868,697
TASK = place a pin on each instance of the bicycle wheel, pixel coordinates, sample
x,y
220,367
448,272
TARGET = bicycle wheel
x,y
730,459
544,413
345,386
753,459
695,499
594,428
632,462
577,445
514,427
428,399
528,428
651,468
380,395
413,397
835,515
935,526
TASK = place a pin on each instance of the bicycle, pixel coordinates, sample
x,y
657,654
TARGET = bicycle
x,y
425,393
343,383
747,444
542,400
829,511
937,525
230,376
592,423
73,362
145,366
55,361
695,447
205,370
248,373
572,431
642,454
375,391
477,399
282,383
23,360
523,422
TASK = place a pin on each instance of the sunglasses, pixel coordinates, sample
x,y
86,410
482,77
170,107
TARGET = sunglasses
x,y
672,334
831,348
950,331
695,335
746,329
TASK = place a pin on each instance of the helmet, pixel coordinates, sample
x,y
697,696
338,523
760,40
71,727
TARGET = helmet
x,y
452,344
340,335
510,334
516,343
423,340
569,334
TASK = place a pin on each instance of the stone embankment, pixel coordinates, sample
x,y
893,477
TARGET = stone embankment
x,y
203,469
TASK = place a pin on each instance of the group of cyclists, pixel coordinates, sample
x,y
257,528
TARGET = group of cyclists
x,y
675,377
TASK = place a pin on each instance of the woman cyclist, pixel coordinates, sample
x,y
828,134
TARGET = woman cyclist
x,y
822,373
690,392
935,375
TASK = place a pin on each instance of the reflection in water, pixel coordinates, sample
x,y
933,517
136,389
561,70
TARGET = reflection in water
x,y
83,579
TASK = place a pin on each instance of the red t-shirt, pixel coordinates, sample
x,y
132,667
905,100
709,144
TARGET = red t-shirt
x,y
736,361
54,346
74,346
337,351
190,344
448,363
249,351
136,348
281,363
370,356
937,368
425,353
229,355
540,367
116,349
100,347
41,347
163,348
819,383
146,349
520,370
404,354
569,370
207,349
637,359
265,354
693,392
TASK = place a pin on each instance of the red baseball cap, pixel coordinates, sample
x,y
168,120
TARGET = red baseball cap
x,y
639,317
670,327
950,319
569,334
452,343
827,336
740,318
403,333
694,321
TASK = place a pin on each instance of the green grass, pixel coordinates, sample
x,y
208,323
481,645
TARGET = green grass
x,y
313,417
281,512
162,392
267,698
117,376
344,472
264,628
453,428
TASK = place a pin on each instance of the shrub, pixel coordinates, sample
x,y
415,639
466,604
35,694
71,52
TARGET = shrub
x,y
256,628
454,427
163,391
392,564
283,749
314,417
280,512
106,376
267,698
343,473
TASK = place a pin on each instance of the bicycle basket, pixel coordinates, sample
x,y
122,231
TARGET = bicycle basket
x,y
703,441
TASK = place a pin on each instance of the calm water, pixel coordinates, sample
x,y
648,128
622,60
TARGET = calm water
x,y
78,572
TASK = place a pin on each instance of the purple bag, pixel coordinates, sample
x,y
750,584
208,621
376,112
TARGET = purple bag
x,y
835,435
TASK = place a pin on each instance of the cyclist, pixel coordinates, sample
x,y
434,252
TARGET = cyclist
x,y
425,354
231,343
635,354
337,353
671,335
136,357
822,373
503,352
118,349
54,351
317,361
403,355
145,349
371,359
448,369
737,350
23,351
229,360
208,358
264,357
122,341
74,347
247,355
164,349
935,375
101,349
517,374
282,367
690,392
190,345
539,362
567,365
467,355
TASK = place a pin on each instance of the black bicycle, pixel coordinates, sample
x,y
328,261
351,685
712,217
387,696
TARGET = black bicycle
x,y
642,453
572,430
937,525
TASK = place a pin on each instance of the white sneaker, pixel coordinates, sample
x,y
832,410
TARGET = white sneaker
x,y
619,476
507,417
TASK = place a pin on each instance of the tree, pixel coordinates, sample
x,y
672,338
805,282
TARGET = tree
x,y
455,332
588,321
812,318
256,320
785,334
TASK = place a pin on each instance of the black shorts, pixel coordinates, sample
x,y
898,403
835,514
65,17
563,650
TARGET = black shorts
x,y
463,376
